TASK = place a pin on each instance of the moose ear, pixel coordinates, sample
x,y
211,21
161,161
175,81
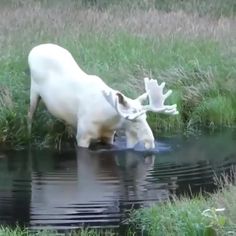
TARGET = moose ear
x,y
122,100
122,105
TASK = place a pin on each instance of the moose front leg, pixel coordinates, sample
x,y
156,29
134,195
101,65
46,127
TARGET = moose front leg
x,y
83,140
83,134
107,137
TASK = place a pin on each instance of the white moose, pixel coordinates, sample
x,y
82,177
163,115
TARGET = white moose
x,y
86,103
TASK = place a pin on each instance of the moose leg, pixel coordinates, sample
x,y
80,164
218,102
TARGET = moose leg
x,y
83,140
34,100
108,137
83,135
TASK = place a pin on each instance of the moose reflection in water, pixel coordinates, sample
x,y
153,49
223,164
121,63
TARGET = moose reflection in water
x,y
93,189
73,187
81,187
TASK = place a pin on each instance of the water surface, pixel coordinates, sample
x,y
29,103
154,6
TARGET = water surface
x,y
77,187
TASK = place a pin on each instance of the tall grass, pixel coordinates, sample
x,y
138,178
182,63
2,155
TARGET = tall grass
x,y
194,55
212,8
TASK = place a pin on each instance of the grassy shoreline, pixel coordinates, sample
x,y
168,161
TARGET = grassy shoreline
x,y
214,214
193,53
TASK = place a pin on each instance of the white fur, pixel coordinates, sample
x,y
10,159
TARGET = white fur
x,y
78,99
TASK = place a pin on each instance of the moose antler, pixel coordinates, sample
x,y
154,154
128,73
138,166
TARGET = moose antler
x,y
130,111
157,98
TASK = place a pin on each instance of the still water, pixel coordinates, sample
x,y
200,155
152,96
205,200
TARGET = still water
x,y
77,187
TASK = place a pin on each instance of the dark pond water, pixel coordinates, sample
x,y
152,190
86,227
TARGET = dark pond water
x,y
77,187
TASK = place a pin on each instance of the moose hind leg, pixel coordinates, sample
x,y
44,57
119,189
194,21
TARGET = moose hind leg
x,y
34,100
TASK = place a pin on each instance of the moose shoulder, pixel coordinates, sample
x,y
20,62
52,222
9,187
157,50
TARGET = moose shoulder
x,y
87,103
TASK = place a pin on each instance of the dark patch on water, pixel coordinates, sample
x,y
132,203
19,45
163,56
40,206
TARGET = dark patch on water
x,y
78,187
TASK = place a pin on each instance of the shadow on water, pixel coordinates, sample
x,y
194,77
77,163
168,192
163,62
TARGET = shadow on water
x,y
78,187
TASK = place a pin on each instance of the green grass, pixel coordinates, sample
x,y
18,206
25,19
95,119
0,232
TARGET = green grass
x,y
185,216
197,61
